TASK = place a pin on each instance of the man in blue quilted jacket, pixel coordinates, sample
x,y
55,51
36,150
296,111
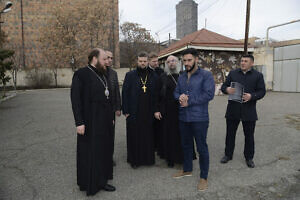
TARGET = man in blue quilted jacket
x,y
195,88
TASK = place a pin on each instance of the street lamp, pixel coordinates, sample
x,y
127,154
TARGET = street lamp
x,y
7,7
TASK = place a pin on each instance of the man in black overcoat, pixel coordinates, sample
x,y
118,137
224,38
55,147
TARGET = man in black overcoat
x,y
157,126
245,111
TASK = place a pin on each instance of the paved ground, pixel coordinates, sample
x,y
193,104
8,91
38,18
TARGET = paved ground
x,y
37,154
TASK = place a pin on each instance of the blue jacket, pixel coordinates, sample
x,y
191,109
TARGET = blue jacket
x,y
200,89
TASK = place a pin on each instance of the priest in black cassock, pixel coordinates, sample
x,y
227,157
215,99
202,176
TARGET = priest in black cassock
x,y
154,65
167,113
115,90
138,97
93,115
158,140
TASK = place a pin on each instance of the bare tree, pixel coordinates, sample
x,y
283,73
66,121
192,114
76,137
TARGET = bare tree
x,y
134,39
6,62
60,39
96,22
72,31
17,60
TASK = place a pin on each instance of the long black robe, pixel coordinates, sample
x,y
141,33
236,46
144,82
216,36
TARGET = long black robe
x,y
139,124
156,123
94,149
170,148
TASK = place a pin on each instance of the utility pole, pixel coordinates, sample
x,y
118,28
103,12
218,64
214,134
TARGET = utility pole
x,y
0,23
113,33
247,27
23,39
205,23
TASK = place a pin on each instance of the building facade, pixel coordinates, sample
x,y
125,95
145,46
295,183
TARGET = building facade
x,y
217,53
33,15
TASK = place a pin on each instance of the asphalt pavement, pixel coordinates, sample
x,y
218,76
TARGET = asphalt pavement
x,y
38,151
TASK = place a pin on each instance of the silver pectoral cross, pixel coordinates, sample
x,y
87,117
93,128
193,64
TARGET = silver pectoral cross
x,y
106,92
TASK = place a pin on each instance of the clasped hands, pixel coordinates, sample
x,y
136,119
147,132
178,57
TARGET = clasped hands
x,y
183,100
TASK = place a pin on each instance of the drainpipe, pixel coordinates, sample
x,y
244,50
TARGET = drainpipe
x,y
267,38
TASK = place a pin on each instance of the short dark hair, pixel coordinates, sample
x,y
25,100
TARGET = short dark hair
x,y
152,55
248,56
143,54
192,51
94,53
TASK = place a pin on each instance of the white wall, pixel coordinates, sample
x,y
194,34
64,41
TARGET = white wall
x,y
64,76
264,56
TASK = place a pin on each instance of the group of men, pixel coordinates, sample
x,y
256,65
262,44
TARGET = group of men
x,y
166,111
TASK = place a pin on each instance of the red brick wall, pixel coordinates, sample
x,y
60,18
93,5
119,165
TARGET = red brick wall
x,y
35,15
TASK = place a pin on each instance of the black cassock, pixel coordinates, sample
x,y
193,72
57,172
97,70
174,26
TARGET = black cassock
x,y
170,148
140,107
156,123
94,149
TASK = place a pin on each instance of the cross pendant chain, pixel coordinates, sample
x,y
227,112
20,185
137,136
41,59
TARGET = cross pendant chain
x,y
144,83
173,79
144,88
104,83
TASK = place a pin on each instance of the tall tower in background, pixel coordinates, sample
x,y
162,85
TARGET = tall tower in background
x,y
186,18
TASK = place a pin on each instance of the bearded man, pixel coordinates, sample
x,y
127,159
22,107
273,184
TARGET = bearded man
x,y
93,113
194,90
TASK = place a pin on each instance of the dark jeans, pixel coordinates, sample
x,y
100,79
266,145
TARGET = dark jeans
x,y
189,131
248,127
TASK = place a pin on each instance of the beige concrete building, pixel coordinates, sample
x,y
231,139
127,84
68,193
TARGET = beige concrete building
x,y
264,59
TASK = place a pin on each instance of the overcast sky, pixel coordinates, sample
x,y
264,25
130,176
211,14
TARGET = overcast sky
x,y
226,17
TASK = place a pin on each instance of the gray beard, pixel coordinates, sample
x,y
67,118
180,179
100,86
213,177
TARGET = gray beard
x,y
173,71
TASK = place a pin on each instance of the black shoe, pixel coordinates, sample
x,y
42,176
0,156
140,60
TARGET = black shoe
x,y
225,159
250,163
134,166
81,188
170,164
114,163
109,188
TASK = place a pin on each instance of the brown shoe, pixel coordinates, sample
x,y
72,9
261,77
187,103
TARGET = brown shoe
x,y
202,186
182,174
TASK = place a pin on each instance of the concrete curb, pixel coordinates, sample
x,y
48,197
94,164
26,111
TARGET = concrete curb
x,y
46,89
10,95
